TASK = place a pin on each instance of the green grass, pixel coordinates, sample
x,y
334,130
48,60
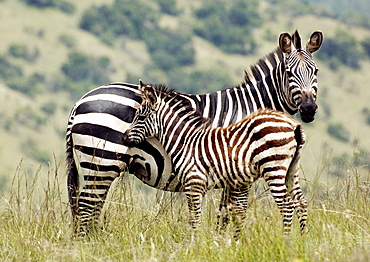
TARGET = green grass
x,y
344,91
147,225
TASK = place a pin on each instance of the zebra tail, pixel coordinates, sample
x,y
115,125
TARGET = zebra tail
x,y
72,176
294,165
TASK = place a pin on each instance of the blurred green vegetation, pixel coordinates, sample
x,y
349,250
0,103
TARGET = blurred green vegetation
x,y
67,48
65,6
229,25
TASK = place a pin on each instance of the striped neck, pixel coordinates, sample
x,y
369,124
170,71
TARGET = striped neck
x,y
265,86
269,79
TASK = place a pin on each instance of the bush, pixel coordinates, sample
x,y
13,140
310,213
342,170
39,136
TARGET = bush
x,y
9,70
123,17
168,6
366,46
82,72
30,86
229,26
366,113
31,149
64,6
82,67
67,40
170,49
21,51
49,108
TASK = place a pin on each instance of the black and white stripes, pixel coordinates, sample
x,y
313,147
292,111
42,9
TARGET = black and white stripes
x,y
284,80
267,144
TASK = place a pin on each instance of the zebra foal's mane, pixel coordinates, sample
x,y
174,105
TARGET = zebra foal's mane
x,y
180,104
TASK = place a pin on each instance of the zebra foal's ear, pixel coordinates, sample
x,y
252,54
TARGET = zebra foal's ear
x,y
314,42
147,94
285,43
296,38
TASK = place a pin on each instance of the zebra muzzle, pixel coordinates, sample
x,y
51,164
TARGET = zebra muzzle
x,y
308,109
126,141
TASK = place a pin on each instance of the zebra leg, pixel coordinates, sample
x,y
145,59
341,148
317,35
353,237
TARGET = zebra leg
x,y
92,197
195,188
223,210
283,200
300,203
239,203
195,207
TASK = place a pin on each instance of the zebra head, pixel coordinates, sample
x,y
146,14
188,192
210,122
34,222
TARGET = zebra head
x,y
144,123
300,73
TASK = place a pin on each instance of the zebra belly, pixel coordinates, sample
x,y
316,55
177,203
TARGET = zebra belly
x,y
158,168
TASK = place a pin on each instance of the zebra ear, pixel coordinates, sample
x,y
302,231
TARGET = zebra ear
x,y
142,88
285,43
314,42
148,94
296,38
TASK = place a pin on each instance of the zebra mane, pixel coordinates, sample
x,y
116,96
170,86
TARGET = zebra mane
x,y
169,95
161,88
264,64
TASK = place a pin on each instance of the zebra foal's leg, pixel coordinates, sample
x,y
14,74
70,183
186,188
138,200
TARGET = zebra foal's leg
x,y
278,189
224,210
195,188
300,203
239,203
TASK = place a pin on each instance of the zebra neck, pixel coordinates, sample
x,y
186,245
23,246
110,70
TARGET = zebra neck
x,y
178,136
265,87
284,93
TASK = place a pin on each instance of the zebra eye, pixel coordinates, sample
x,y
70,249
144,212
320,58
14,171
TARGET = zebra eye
x,y
316,71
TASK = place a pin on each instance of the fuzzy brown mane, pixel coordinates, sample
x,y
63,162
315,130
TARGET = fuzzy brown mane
x,y
182,105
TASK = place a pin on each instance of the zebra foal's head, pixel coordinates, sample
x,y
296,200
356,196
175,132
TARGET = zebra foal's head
x,y
144,124
300,71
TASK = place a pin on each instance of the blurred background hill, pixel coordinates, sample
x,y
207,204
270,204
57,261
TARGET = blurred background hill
x,y
53,51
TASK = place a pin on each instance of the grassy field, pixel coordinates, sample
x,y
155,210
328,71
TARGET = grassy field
x,y
145,225
343,91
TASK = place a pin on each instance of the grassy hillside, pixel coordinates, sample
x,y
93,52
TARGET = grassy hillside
x,y
33,125
25,123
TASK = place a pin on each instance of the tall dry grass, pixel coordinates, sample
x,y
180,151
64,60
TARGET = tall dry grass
x,y
140,224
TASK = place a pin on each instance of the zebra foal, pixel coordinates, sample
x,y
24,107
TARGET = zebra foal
x,y
265,144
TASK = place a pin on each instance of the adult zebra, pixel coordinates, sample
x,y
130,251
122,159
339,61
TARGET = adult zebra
x,y
266,144
284,80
